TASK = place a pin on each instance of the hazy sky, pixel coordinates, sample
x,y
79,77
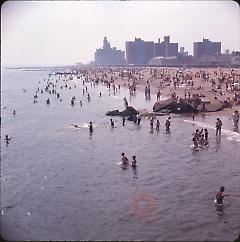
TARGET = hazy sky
x,y
66,32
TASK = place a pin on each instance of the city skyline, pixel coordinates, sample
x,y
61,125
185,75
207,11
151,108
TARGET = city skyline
x,y
55,33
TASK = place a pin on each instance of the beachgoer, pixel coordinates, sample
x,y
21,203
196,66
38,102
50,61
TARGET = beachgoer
x,y
151,123
235,118
206,134
167,124
158,95
112,123
134,161
123,121
7,139
157,125
90,127
14,112
138,119
193,116
125,102
220,195
124,160
218,126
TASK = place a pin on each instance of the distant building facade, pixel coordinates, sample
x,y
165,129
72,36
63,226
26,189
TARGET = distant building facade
x,y
206,47
165,48
140,52
108,55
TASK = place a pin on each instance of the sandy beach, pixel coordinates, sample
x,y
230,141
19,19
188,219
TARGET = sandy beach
x,y
211,84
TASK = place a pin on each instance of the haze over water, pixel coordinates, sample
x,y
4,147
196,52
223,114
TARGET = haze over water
x,y
60,183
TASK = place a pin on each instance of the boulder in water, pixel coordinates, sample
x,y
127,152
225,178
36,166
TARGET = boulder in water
x,y
182,106
113,113
129,111
164,104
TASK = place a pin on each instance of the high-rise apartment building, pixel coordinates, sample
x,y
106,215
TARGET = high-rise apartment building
x,y
141,52
165,48
206,47
108,55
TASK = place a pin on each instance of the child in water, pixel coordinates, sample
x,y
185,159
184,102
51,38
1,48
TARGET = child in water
x,y
220,195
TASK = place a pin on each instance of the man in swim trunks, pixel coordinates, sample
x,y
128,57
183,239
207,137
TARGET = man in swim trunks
x,y
220,195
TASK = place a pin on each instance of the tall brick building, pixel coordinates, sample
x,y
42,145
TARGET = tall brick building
x,y
140,52
206,47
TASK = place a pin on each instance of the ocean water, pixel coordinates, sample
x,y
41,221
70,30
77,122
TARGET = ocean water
x,y
61,183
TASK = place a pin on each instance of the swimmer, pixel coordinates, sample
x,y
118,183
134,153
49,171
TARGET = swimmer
x,y
7,139
124,160
134,161
75,126
220,195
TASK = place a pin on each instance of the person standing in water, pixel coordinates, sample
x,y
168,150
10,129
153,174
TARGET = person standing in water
x,y
112,123
138,119
235,118
157,125
220,196
218,126
124,159
134,161
167,124
90,127
123,121
151,123
206,134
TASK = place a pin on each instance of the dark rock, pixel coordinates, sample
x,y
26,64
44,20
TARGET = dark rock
x,y
182,106
132,118
129,111
113,113
158,106
174,106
